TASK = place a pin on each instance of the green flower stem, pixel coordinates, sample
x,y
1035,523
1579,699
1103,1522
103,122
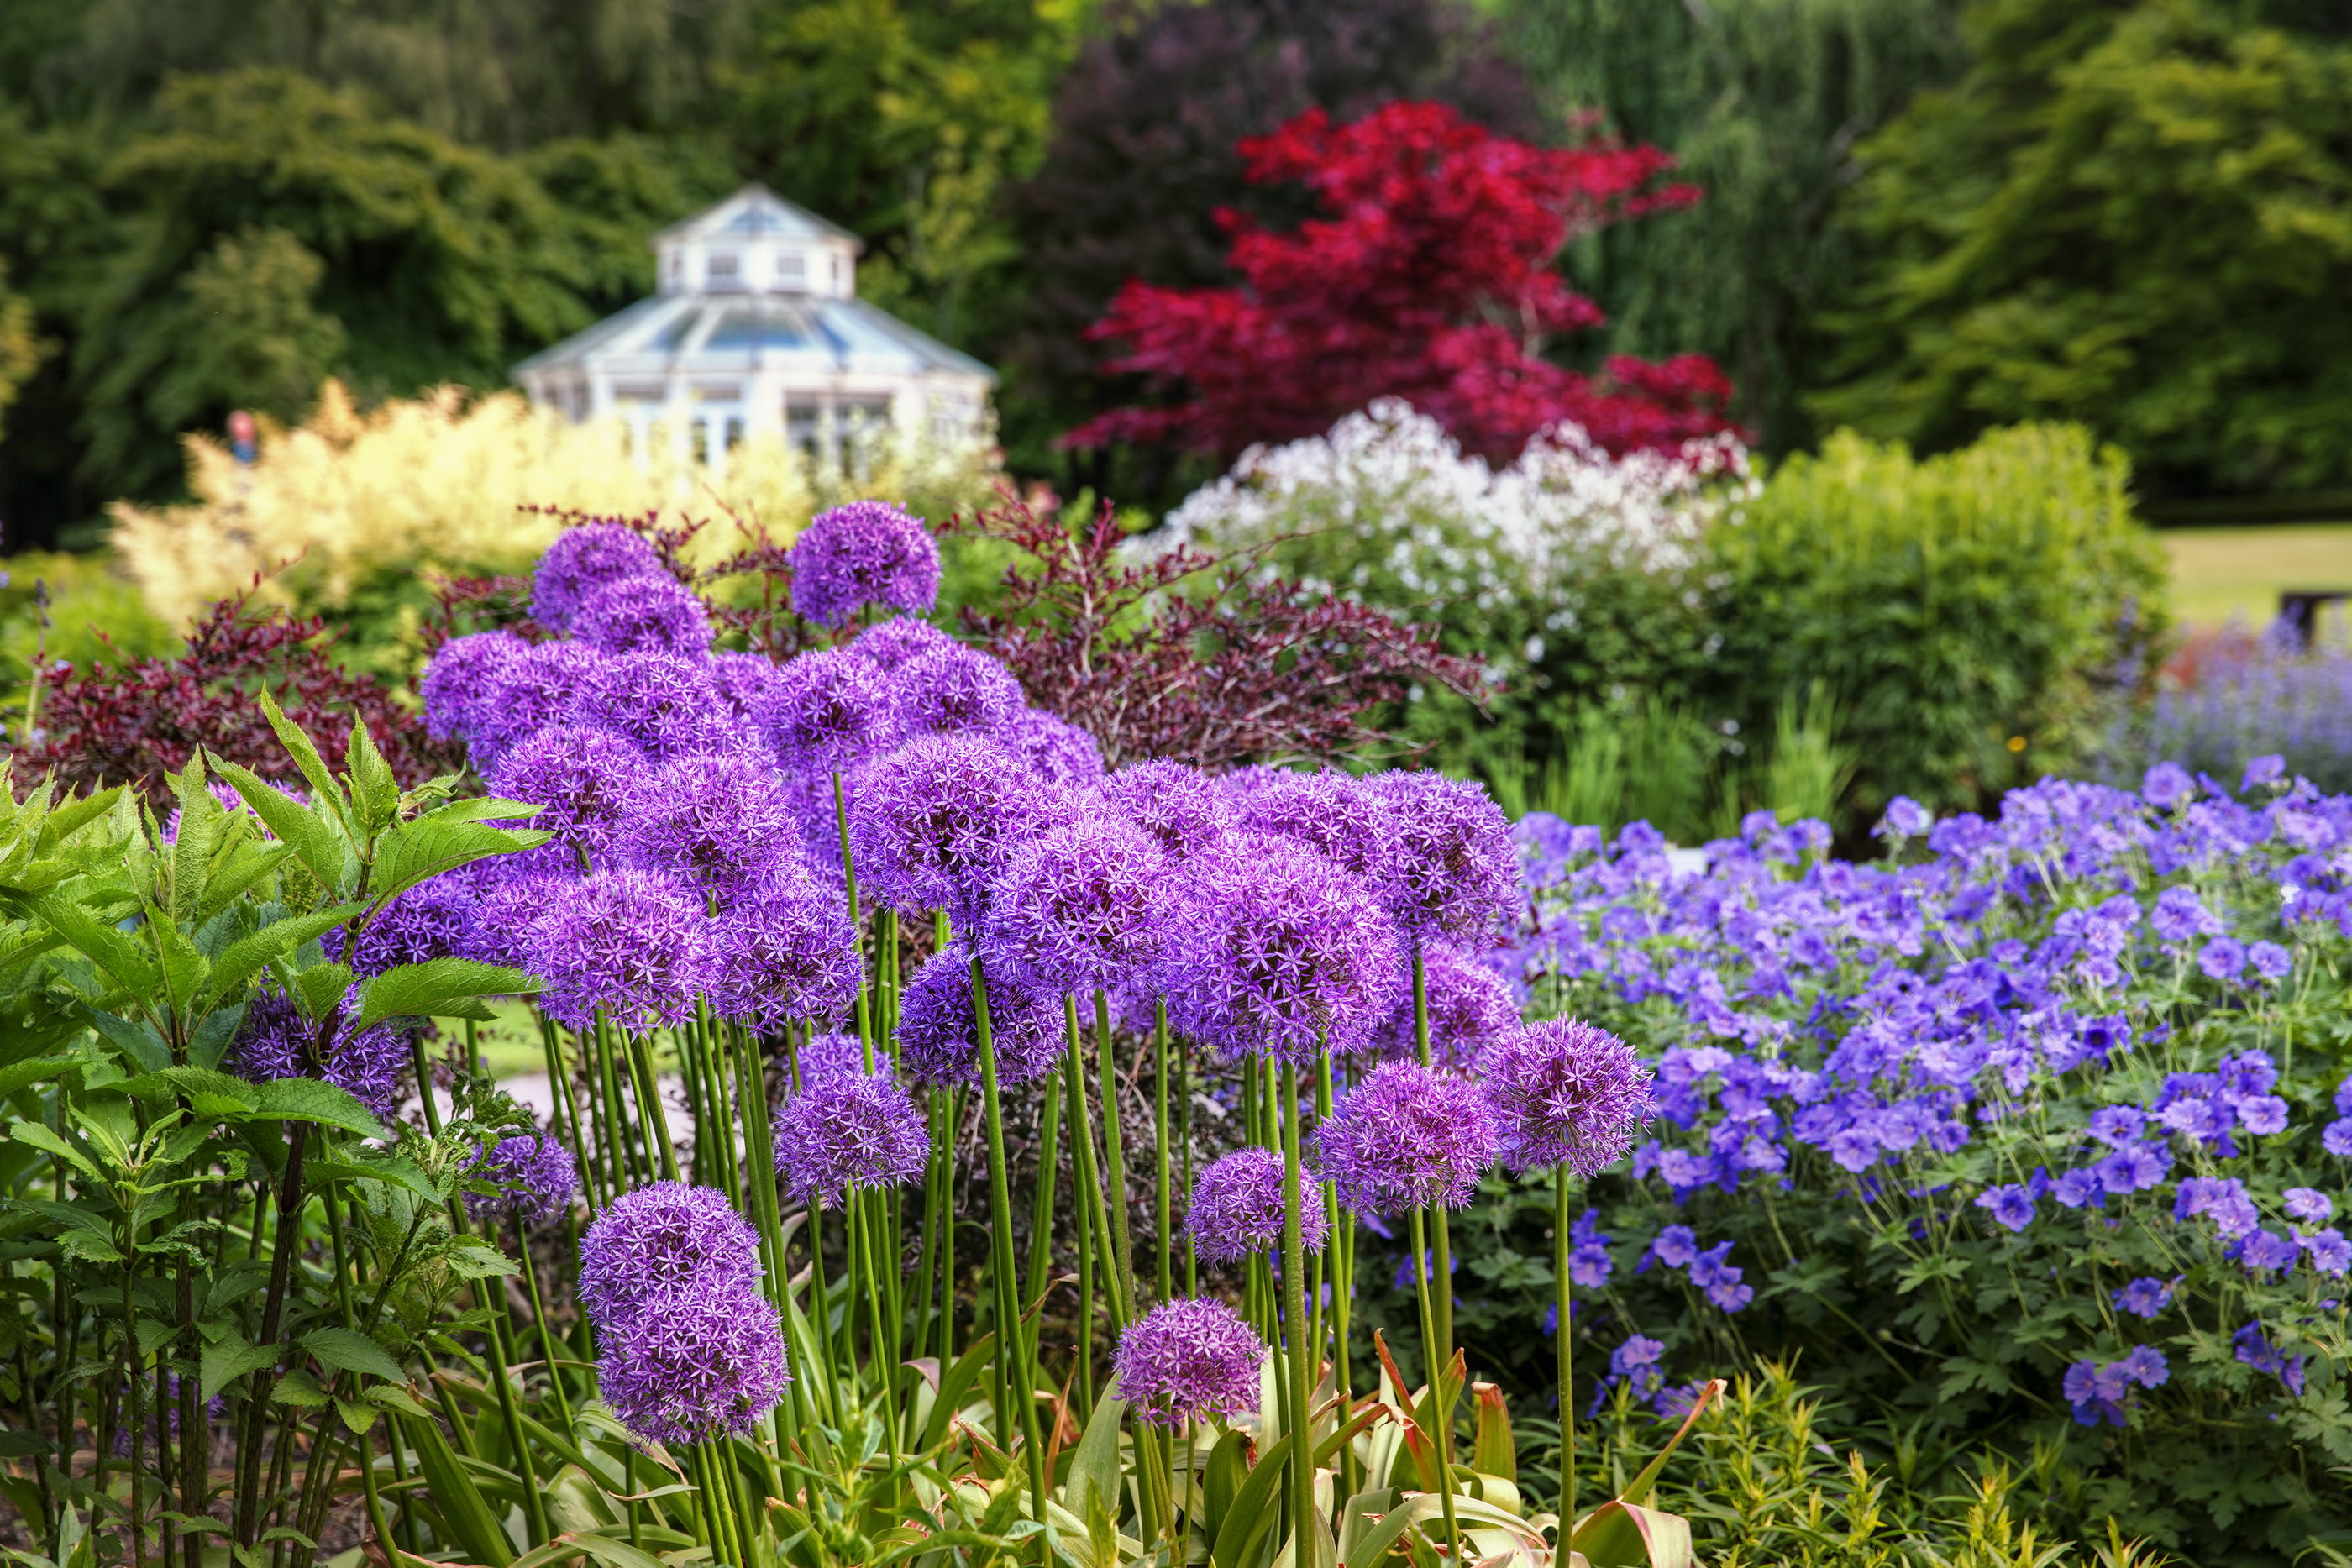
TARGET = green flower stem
x,y
1184,1138
1567,1368
558,1081
1340,1244
649,1106
759,1157
1159,1226
1094,1225
932,1116
1293,1307
1041,1210
1443,1263
821,1299
882,1370
1009,1336
1443,1415
857,920
548,1339
947,1230
612,1129
1115,1163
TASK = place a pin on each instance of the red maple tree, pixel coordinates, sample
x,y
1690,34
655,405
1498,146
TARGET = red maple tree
x,y
1429,280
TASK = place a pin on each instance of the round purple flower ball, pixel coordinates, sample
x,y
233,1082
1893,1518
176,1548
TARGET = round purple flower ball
x,y
892,643
955,690
826,712
432,920
707,1365
1335,814
742,682
938,1037
659,1243
583,776
1408,1136
935,821
626,941
663,704
1085,906
1566,1093
716,821
1188,1361
868,552
525,695
274,1040
581,561
1469,1004
849,1131
509,912
457,680
1452,869
1181,807
1061,753
1280,952
535,1176
1236,1208
784,953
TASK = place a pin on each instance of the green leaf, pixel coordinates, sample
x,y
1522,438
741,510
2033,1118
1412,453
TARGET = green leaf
x,y
395,1398
115,955
1491,1450
427,846
210,1095
229,1358
248,955
310,1100
471,1258
373,788
298,1387
326,791
323,849
346,1350
76,814
357,1417
436,988
1620,1534
42,1138
1253,1512
320,988
394,1172
140,1045
1094,1469
39,1070
477,1531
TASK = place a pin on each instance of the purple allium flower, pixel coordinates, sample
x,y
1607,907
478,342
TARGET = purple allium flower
x,y
1084,907
2143,1298
1062,754
2270,960
457,680
2166,785
536,1177
935,821
1904,819
1335,814
1236,1208
1181,807
783,952
664,703
1469,1006
848,1132
956,690
868,552
1283,952
742,682
1188,1361
708,1363
274,1040
432,920
1408,1136
832,1054
581,561
644,614
2010,1204
828,711
1565,1092
626,941
892,643
718,823
938,1040
507,918
659,1243
1452,871
583,776
546,687
2309,1205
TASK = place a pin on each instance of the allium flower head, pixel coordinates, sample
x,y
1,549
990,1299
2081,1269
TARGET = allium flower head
x,y
432,920
848,1132
1469,1004
1236,1209
583,776
457,680
1061,753
660,1243
644,614
581,561
1181,807
274,1040
939,1039
1408,1136
1084,907
626,940
535,1176
1188,1361
1336,814
1452,869
868,552
829,1055
1281,952
891,644
662,702
718,823
826,712
935,821
708,1364
742,682
524,695
508,915
1566,1093
784,952
956,690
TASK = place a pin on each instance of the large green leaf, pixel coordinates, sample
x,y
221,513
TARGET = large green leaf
x,y
74,815
479,1535
321,845
37,1070
442,841
347,1349
374,790
1094,1469
114,954
42,1138
209,1093
1620,1534
228,1358
1253,1512
310,1100
439,988
248,955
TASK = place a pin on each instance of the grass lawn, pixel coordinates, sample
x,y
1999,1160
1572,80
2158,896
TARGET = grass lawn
x,y
2220,572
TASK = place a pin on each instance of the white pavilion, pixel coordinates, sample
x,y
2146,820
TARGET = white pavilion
x,y
756,329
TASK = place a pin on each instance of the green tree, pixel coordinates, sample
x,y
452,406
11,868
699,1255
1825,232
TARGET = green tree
x,y
20,350
2136,214
1763,102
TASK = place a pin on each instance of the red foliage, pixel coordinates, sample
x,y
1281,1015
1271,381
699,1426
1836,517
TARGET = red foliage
x,y
1430,280
130,724
1181,656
